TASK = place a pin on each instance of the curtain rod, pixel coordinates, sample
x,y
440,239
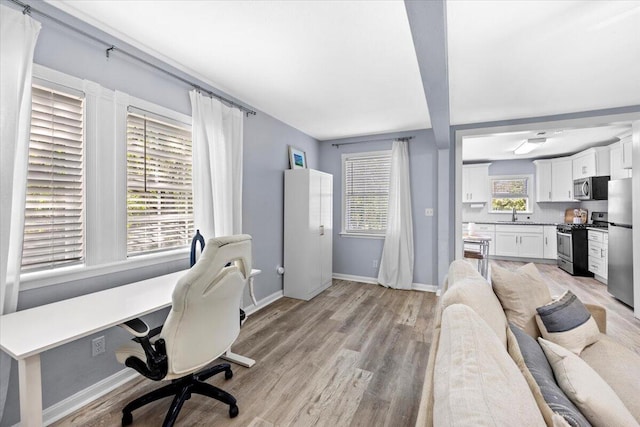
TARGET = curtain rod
x,y
405,138
27,9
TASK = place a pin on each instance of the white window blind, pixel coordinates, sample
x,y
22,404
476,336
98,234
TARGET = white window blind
x,y
509,193
159,191
54,218
366,192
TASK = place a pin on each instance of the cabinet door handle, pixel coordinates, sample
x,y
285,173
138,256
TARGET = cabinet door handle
x,y
546,241
549,195
601,253
322,230
569,193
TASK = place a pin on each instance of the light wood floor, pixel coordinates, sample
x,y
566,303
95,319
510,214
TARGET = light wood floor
x,y
353,356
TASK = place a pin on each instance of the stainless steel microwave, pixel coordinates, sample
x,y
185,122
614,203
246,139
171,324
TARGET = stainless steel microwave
x,y
592,188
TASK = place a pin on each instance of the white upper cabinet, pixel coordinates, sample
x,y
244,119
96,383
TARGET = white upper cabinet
x,y
475,183
591,162
543,180
562,180
626,152
554,180
616,162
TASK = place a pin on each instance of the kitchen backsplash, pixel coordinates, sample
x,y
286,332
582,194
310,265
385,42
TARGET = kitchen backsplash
x,y
542,212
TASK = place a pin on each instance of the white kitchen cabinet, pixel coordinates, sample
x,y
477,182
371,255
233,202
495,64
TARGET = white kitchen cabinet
x,y
475,183
543,180
598,258
550,244
616,162
591,162
562,180
488,230
554,180
626,152
520,241
308,232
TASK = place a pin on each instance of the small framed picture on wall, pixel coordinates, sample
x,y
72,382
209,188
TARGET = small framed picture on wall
x,y
297,158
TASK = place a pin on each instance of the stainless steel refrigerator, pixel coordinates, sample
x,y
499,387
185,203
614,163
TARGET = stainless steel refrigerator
x,y
620,251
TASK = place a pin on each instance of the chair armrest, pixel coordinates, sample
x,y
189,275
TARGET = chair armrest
x,y
136,327
599,314
156,366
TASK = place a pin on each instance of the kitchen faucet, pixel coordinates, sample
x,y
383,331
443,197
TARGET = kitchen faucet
x,y
514,217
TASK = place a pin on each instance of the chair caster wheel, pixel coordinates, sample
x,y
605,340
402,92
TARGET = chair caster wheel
x,y
127,419
233,411
228,374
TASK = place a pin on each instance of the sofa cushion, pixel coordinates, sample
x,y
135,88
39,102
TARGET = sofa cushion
x,y
568,323
520,292
619,367
533,364
595,398
477,383
477,294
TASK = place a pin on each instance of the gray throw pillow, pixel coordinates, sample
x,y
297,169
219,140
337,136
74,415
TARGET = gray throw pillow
x,y
541,371
568,323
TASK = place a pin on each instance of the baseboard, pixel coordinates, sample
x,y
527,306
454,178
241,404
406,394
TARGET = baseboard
x,y
84,397
74,402
352,278
263,302
374,281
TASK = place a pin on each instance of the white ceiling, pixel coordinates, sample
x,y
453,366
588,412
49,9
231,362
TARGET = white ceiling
x,y
560,141
336,69
329,69
518,59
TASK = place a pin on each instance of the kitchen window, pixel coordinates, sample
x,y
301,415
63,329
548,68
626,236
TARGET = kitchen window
x,y
508,192
365,178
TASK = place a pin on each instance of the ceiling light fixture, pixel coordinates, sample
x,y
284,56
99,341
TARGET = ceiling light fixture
x,y
529,145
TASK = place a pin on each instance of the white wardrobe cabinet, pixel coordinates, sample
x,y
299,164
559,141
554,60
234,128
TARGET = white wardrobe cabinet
x,y
308,232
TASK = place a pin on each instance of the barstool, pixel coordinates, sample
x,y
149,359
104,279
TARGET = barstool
x,y
481,254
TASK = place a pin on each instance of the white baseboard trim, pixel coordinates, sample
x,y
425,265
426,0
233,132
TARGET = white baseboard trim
x,y
74,402
374,281
352,278
82,398
263,302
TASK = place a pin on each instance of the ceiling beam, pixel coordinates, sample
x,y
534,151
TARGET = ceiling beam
x,y
428,23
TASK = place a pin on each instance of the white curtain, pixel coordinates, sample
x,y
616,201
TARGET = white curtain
x,y
18,35
217,166
396,265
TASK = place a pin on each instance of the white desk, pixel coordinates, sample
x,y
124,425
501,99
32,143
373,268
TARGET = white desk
x,y
27,333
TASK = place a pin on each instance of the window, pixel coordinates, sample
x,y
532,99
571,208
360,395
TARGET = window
x,y
510,192
54,217
159,192
365,192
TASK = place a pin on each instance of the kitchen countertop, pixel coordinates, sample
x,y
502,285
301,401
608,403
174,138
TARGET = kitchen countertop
x,y
513,223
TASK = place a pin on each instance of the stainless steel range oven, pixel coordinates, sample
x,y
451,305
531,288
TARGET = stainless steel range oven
x,y
573,246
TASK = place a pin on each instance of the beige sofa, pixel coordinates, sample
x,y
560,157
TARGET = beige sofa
x,y
491,362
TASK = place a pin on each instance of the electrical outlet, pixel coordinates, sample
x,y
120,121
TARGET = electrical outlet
x,y
428,212
375,263
97,346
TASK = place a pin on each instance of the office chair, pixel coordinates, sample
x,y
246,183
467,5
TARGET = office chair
x,y
201,326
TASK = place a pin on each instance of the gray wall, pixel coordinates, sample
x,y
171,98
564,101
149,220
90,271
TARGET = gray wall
x,y
354,256
70,368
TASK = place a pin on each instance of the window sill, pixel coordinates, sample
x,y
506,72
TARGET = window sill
x,y
362,235
39,279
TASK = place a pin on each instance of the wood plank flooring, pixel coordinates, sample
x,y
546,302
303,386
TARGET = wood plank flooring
x,y
353,356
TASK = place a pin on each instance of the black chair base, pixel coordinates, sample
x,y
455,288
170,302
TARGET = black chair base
x,y
181,389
